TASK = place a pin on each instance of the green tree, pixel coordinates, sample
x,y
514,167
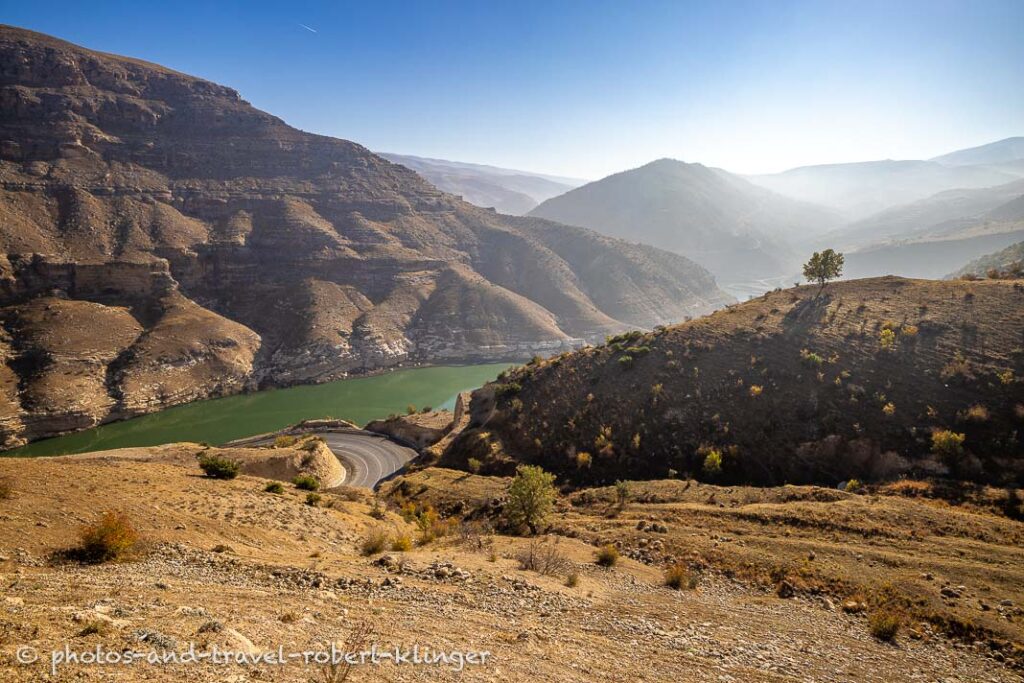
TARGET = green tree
x,y
824,266
531,495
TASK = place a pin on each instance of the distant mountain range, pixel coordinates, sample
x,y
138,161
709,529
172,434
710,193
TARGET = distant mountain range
x,y
859,190
731,226
506,190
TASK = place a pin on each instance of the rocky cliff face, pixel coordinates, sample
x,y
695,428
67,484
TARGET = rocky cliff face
x,y
161,240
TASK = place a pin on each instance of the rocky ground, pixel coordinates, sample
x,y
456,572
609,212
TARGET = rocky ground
x,y
225,563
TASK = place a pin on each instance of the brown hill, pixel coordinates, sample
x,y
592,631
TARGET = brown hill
x,y
792,387
215,247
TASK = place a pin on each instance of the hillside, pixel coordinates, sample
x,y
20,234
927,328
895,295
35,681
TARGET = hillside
x,y
791,387
858,190
933,237
506,190
999,152
1009,259
215,248
723,222
784,581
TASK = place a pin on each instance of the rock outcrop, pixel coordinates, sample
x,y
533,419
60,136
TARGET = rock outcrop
x,y
191,245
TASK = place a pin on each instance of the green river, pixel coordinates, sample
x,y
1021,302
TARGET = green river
x,y
358,400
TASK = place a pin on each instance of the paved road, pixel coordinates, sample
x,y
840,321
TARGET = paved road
x,y
367,459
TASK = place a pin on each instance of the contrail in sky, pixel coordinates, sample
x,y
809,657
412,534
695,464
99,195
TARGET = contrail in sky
x,y
311,30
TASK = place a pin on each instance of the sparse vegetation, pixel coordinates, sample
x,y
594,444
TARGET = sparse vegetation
x,y
285,441
401,543
679,577
531,495
216,467
306,482
274,487
607,556
375,542
884,624
542,556
111,537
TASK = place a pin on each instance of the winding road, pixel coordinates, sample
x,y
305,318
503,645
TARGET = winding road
x,y
368,459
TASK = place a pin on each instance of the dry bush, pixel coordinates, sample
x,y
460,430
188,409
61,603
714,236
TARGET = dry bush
x,y
285,441
401,543
6,488
111,537
542,557
573,579
607,555
884,624
376,540
679,577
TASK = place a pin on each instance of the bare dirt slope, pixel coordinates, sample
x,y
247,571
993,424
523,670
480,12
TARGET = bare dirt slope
x,y
227,564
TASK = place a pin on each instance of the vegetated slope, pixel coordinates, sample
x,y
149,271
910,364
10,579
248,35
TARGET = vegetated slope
x,y
224,249
792,387
1010,259
861,189
730,226
506,190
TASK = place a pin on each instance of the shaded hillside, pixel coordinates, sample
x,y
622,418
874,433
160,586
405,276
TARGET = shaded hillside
x,y
733,228
225,250
1006,260
791,387
506,190
861,189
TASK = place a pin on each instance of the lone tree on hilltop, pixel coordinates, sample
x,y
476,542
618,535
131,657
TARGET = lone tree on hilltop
x,y
530,497
824,266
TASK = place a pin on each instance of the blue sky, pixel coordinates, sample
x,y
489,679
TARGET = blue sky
x,y
587,88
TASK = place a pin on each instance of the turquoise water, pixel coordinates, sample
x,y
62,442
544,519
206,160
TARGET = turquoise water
x,y
358,400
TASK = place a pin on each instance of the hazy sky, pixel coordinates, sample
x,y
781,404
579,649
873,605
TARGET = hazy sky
x,y
589,88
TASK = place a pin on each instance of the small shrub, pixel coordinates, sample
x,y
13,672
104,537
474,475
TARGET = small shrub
x,y
474,465
889,409
376,540
95,627
621,493
1006,377
274,487
626,361
112,537
401,543
756,390
976,413
216,467
572,580
285,441
884,625
410,409
583,460
306,482
853,485
426,409
713,462
507,389
542,557
313,499
947,445
607,556
6,488
679,577
887,339
957,368
811,359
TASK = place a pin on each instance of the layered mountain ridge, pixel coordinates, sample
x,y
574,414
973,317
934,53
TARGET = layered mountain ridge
x,y
202,246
